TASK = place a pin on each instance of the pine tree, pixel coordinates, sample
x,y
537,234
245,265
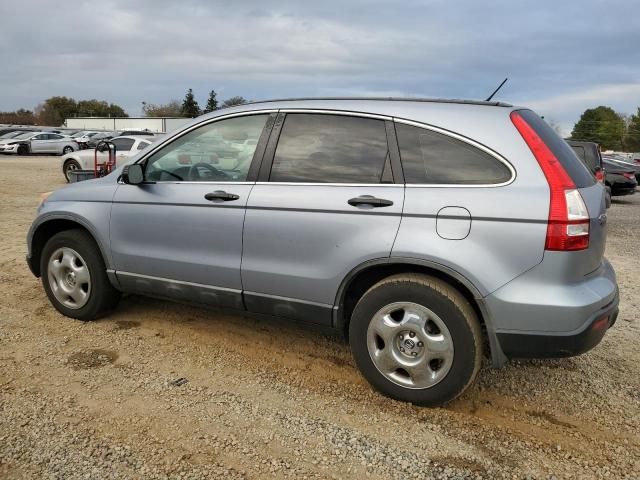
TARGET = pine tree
x,y
212,102
190,107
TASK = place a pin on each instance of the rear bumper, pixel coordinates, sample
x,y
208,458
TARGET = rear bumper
x,y
522,345
534,316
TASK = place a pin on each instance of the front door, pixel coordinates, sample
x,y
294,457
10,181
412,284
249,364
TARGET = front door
x,y
179,234
39,143
326,203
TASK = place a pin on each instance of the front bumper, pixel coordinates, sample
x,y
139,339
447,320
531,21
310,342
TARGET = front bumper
x,y
8,148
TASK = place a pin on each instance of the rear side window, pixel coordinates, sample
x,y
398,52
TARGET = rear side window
x,y
317,148
123,144
434,158
578,172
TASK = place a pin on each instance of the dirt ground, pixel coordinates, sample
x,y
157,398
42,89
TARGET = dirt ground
x,y
268,399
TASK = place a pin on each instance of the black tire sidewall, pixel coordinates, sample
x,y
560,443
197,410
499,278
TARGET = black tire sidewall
x,y
86,247
67,150
65,168
465,354
22,150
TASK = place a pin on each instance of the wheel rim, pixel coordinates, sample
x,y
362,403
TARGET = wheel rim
x,y
70,167
410,345
67,150
69,278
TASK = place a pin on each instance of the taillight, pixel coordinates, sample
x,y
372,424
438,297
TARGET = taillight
x,y
629,175
568,224
600,175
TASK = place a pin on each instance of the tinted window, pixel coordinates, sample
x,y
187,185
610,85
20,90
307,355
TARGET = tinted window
x,y
54,136
578,172
123,144
142,145
330,149
221,151
434,158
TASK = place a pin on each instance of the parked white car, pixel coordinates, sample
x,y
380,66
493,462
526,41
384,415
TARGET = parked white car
x,y
38,142
126,146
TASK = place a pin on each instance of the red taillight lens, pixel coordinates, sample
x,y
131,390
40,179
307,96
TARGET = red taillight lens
x,y
629,175
600,176
568,224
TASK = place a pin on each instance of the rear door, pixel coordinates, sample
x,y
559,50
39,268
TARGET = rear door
x,y
179,234
325,202
55,143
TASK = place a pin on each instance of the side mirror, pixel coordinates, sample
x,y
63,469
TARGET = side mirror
x,y
133,174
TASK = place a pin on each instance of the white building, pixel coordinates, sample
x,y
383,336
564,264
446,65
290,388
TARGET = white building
x,y
153,124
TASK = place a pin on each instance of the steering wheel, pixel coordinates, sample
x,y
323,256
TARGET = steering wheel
x,y
194,173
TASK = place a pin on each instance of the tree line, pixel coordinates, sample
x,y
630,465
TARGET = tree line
x,y
612,130
53,111
189,106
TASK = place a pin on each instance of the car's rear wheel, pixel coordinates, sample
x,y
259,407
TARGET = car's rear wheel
x,y
74,276
67,149
70,166
416,338
22,149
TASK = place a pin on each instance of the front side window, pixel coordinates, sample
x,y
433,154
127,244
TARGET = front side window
x,y
430,157
319,148
221,151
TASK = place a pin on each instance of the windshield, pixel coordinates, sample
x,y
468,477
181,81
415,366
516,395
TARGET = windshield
x,y
77,134
24,135
11,134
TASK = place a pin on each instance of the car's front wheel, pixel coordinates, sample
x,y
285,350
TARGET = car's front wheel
x,y
416,338
67,149
74,276
22,150
70,166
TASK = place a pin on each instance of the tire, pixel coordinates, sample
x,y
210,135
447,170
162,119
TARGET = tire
x,y
22,150
99,296
424,335
68,166
67,149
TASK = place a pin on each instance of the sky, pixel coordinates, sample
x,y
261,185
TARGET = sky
x,y
561,57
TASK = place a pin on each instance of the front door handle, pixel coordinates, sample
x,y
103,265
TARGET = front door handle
x,y
221,195
370,200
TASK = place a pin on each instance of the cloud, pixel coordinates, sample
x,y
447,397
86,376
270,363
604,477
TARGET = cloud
x,y
153,50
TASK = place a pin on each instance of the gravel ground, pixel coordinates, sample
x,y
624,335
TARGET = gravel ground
x,y
268,399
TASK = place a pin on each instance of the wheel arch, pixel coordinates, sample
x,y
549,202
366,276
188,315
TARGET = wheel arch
x,y
367,274
48,227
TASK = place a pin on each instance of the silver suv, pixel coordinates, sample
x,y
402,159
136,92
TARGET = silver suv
x,y
429,231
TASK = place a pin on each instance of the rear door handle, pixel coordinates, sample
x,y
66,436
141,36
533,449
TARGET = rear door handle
x,y
221,195
370,200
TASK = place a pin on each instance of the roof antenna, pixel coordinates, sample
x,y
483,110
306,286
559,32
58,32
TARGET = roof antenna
x,y
496,90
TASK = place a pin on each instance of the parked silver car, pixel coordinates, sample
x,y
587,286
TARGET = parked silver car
x,y
38,142
425,230
126,147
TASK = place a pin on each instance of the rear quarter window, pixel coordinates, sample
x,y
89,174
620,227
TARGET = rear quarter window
x,y
430,157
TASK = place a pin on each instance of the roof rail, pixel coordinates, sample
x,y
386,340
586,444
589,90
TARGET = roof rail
x,y
386,99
